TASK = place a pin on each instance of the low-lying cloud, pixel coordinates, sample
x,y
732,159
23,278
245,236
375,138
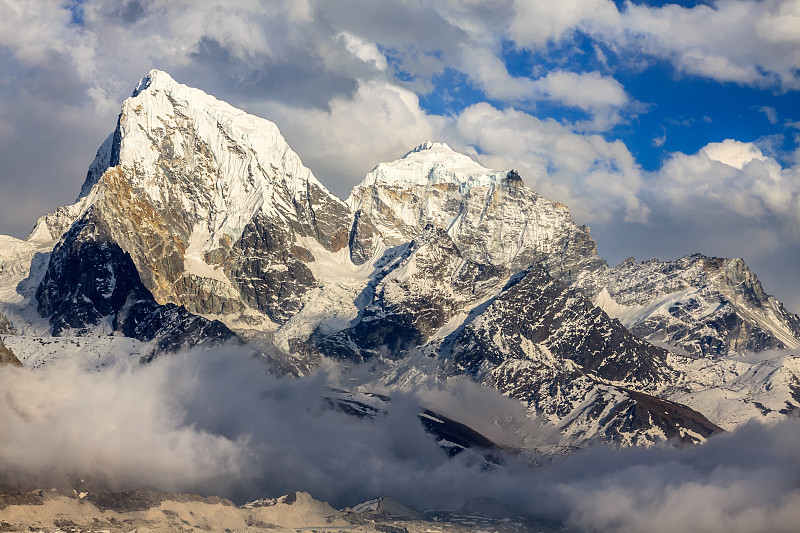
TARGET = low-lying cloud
x,y
217,423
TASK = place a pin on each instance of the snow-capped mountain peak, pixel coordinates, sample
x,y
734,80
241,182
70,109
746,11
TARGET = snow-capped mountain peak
x,y
432,163
187,186
153,78
492,217
159,106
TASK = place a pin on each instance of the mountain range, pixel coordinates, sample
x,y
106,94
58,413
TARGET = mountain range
x,y
197,224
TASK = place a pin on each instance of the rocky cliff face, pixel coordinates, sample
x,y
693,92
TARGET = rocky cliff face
x,y
535,315
6,327
703,306
547,345
92,283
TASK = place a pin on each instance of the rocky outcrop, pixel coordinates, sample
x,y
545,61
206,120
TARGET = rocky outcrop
x,y
588,410
537,314
6,327
269,270
546,344
7,357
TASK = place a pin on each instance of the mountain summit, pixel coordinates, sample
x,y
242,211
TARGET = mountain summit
x,y
433,163
198,224
209,203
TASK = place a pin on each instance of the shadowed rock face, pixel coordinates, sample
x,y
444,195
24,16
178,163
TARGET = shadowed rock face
x,y
364,238
87,279
92,281
535,309
269,270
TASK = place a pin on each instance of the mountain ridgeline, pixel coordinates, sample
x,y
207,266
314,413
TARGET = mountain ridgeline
x,y
197,225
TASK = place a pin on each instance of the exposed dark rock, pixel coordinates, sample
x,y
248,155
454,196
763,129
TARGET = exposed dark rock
x,y
16,497
458,436
173,327
593,410
142,500
536,309
86,279
363,238
643,411
6,327
90,280
328,219
269,272
514,179
453,436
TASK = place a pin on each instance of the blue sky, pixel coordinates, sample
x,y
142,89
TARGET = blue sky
x,y
668,127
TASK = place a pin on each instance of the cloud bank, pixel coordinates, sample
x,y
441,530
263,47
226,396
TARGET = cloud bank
x,y
216,423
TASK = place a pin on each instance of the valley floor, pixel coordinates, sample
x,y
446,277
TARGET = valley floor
x,y
150,511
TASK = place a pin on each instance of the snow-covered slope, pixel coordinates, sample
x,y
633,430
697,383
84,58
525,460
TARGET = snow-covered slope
x,y
94,352
22,266
733,390
431,163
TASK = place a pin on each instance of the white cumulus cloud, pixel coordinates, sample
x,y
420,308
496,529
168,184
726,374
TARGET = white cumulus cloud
x,y
597,179
751,42
732,175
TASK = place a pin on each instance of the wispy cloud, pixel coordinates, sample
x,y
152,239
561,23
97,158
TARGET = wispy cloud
x,y
770,113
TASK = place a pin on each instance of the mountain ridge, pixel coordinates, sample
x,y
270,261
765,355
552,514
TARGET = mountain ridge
x,y
197,224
